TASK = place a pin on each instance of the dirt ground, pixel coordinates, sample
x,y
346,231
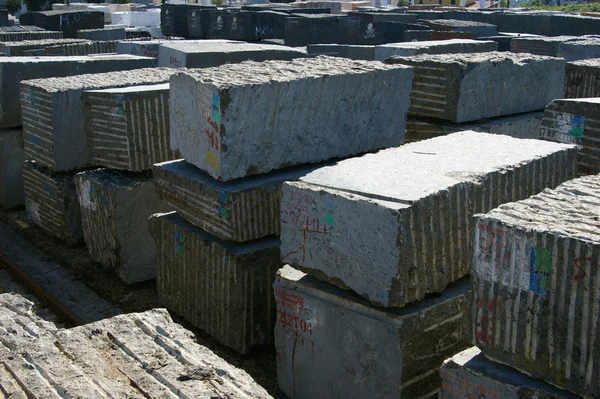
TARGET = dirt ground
x,y
260,364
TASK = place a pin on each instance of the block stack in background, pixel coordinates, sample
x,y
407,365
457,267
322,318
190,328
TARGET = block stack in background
x,y
218,253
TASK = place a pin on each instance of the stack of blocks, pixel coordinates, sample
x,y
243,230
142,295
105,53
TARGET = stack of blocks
x,y
454,92
536,293
223,239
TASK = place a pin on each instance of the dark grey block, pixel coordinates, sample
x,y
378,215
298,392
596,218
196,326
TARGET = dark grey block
x,y
383,51
12,157
104,34
582,79
476,29
19,48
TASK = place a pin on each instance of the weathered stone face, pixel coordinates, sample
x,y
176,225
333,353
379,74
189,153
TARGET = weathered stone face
x,y
469,87
221,287
535,285
12,157
332,343
571,48
396,225
576,122
383,51
582,79
234,121
469,374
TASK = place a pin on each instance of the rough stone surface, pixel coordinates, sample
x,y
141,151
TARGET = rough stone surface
x,y
469,87
29,35
84,48
332,344
570,48
53,128
221,287
396,225
235,120
384,51
115,208
105,34
240,210
475,29
144,48
51,202
522,126
469,374
582,79
19,48
354,52
12,157
128,128
576,121
129,356
13,70
535,285
212,53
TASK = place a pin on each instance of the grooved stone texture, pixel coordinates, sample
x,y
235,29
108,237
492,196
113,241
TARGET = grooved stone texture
x,y
396,225
522,126
109,33
51,202
12,157
13,70
582,79
570,48
115,208
144,48
129,356
536,285
235,120
14,49
212,53
128,128
576,121
53,128
29,35
469,87
469,374
332,344
383,51
239,210
72,49
224,288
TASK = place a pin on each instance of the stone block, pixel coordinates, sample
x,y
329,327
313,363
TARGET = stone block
x,y
144,48
240,210
128,127
303,29
582,79
51,202
212,53
333,7
384,51
229,138
353,52
469,374
410,236
218,286
87,48
535,285
115,208
15,36
19,48
417,35
13,70
384,16
69,22
580,49
522,126
468,87
332,344
12,157
449,35
571,48
53,128
105,34
576,121
173,18
475,29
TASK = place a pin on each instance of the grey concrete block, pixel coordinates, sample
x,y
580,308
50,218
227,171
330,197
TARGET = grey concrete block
x,y
129,356
51,202
475,29
13,70
394,243
224,288
522,126
104,34
535,285
240,210
469,87
115,208
582,79
53,128
384,51
234,121
128,128
12,157
332,344
354,52
19,48
575,121
212,53
469,374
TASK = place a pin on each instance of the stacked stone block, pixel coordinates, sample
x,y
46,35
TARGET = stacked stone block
x,y
582,79
570,48
20,48
384,51
16,36
51,202
84,48
575,121
535,285
12,157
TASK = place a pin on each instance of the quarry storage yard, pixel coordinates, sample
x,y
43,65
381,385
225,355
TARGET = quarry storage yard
x,y
313,199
